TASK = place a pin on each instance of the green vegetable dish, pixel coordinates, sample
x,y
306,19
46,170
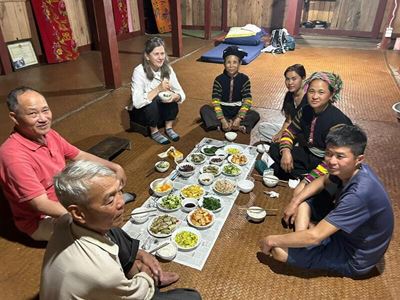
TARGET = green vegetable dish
x,y
163,225
210,150
186,239
171,202
231,169
211,203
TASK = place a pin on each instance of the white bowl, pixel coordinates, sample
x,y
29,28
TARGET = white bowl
x,y
396,108
140,218
156,184
165,96
191,230
185,173
206,178
168,252
217,160
245,186
194,203
162,166
270,180
231,136
256,214
201,212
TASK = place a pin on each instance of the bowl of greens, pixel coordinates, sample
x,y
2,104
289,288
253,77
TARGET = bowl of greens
x,y
211,203
169,203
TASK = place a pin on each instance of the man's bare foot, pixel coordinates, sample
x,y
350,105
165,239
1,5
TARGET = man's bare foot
x,y
167,278
242,129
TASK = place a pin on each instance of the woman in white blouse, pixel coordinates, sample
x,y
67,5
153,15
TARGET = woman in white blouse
x,y
149,79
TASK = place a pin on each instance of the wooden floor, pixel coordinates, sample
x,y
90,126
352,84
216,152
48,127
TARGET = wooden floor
x,y
85,113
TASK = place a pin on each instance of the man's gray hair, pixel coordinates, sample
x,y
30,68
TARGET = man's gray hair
x,y
72,185
12,97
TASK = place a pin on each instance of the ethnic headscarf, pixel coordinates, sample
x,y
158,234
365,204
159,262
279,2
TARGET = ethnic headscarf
x,y
334,82
234,50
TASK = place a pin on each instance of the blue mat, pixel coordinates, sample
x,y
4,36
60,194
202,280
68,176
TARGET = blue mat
x,y
215,54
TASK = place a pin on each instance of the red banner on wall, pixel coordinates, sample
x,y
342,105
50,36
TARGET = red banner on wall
x,y
55,30
120,11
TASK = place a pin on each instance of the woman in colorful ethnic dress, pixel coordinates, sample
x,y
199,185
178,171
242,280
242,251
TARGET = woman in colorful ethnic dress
x,y
295,99
313,121
231,97
149,79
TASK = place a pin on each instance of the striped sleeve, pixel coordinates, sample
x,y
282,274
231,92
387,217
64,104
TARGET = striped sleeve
x,y
319,171
216,99
290,133
246,99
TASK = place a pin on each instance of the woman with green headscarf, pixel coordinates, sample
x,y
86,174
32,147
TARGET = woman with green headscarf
x,y
314,121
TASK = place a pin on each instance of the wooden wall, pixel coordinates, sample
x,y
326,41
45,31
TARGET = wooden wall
x,y
14,20
263,13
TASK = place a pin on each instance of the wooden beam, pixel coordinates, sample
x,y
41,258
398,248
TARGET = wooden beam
x,y
4,56
379,19
141,16
207,19
108,43
224,16
292,22
176,23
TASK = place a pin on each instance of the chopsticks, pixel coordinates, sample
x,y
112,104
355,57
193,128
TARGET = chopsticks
x,y
143,211
260,176
158,247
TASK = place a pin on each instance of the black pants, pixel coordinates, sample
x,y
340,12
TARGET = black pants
x,y
128,248
303,162
155,114
211,122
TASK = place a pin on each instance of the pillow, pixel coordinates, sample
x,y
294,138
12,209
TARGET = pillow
x,y
248,40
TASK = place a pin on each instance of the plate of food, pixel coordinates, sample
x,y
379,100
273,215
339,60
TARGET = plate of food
x,y
201,218
239,159
224,186
192,191
162,226
217,160
209,150
233,149
213,169
212,203
169,203
231,170
197,158
186,238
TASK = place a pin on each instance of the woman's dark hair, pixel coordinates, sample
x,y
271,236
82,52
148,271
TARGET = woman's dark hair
x,y
351,136
152,43
298,68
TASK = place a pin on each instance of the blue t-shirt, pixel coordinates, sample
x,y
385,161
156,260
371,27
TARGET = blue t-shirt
x,y
364,215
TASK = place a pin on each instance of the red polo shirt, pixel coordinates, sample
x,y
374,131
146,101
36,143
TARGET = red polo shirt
x,y
26,171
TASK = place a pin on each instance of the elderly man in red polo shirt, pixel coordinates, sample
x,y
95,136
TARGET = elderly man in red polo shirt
x,y
29,159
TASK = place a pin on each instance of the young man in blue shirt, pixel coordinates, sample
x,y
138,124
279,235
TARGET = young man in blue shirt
x,y
347,234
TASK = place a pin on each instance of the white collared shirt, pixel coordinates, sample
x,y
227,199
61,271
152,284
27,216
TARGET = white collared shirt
x,y
141,86
82,264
